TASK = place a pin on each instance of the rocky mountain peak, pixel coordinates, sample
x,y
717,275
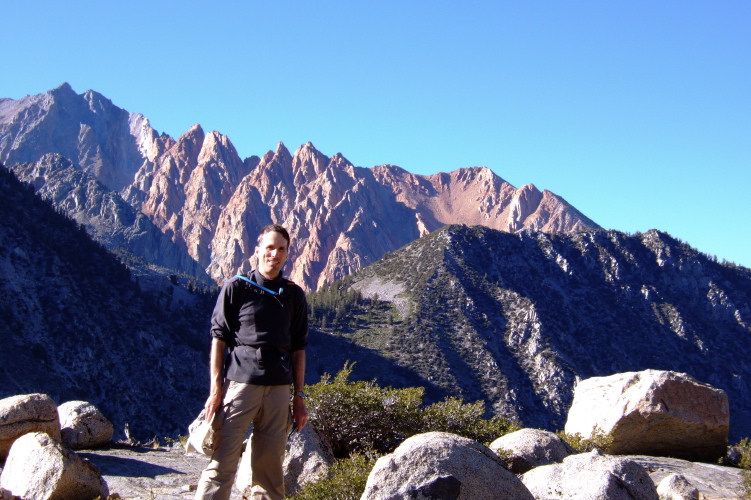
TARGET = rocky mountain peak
x,y
523,204
194,131
469,175
274,169
217,145
208,201
341,163
88,129
97,102
189,146
307,163
281,150
62,90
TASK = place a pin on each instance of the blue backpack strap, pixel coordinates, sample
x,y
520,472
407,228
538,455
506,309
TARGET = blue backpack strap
x,y
281,291
272,292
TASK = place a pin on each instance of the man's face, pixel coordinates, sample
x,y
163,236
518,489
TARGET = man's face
x,y
272,254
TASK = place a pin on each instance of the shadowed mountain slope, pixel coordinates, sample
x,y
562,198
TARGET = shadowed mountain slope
x,y
105,215
76,325
517,319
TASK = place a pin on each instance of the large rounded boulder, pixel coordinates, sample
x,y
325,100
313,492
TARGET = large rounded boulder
x,y
439,465
83,425
40,468
657,413
526,449
26,413
307,459
591,476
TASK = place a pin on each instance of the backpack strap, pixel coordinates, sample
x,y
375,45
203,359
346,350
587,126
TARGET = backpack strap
x,y
272,292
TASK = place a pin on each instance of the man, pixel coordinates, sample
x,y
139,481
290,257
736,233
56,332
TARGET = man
x,y
261,320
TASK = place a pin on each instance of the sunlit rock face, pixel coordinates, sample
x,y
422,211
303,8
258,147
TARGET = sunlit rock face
x,y
210,203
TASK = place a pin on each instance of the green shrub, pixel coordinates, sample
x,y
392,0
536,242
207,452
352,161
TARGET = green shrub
x,y
743,451
361,417
466,419
597,440
346,480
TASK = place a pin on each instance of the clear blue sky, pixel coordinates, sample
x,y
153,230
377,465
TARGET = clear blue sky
x,y
638,113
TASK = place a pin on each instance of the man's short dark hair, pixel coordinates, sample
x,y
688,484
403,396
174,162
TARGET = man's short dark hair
x,y
273,228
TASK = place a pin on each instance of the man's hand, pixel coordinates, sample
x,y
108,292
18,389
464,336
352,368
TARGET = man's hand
x,y
212,406
299,412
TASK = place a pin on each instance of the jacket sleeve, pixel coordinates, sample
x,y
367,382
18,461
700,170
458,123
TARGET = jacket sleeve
x,y
299,325
224,318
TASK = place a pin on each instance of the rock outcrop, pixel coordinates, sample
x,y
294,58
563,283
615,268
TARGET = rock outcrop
x,y
40,468
526,449
425,466
712,481
26,413
442,465
652,412
591,476
171,473
677,487
83,425
308,459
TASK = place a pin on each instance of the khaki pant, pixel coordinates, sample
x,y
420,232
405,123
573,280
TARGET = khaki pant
x,y
267,408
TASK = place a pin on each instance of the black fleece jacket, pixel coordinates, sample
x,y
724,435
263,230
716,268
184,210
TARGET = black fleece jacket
x,y
260,328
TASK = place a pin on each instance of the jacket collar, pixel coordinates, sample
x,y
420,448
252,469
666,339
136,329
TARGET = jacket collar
x,y
261,280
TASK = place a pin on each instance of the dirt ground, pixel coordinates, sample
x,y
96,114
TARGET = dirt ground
x,y
148,473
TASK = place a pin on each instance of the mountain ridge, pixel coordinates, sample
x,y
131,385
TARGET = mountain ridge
x,y
199,192
516,319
